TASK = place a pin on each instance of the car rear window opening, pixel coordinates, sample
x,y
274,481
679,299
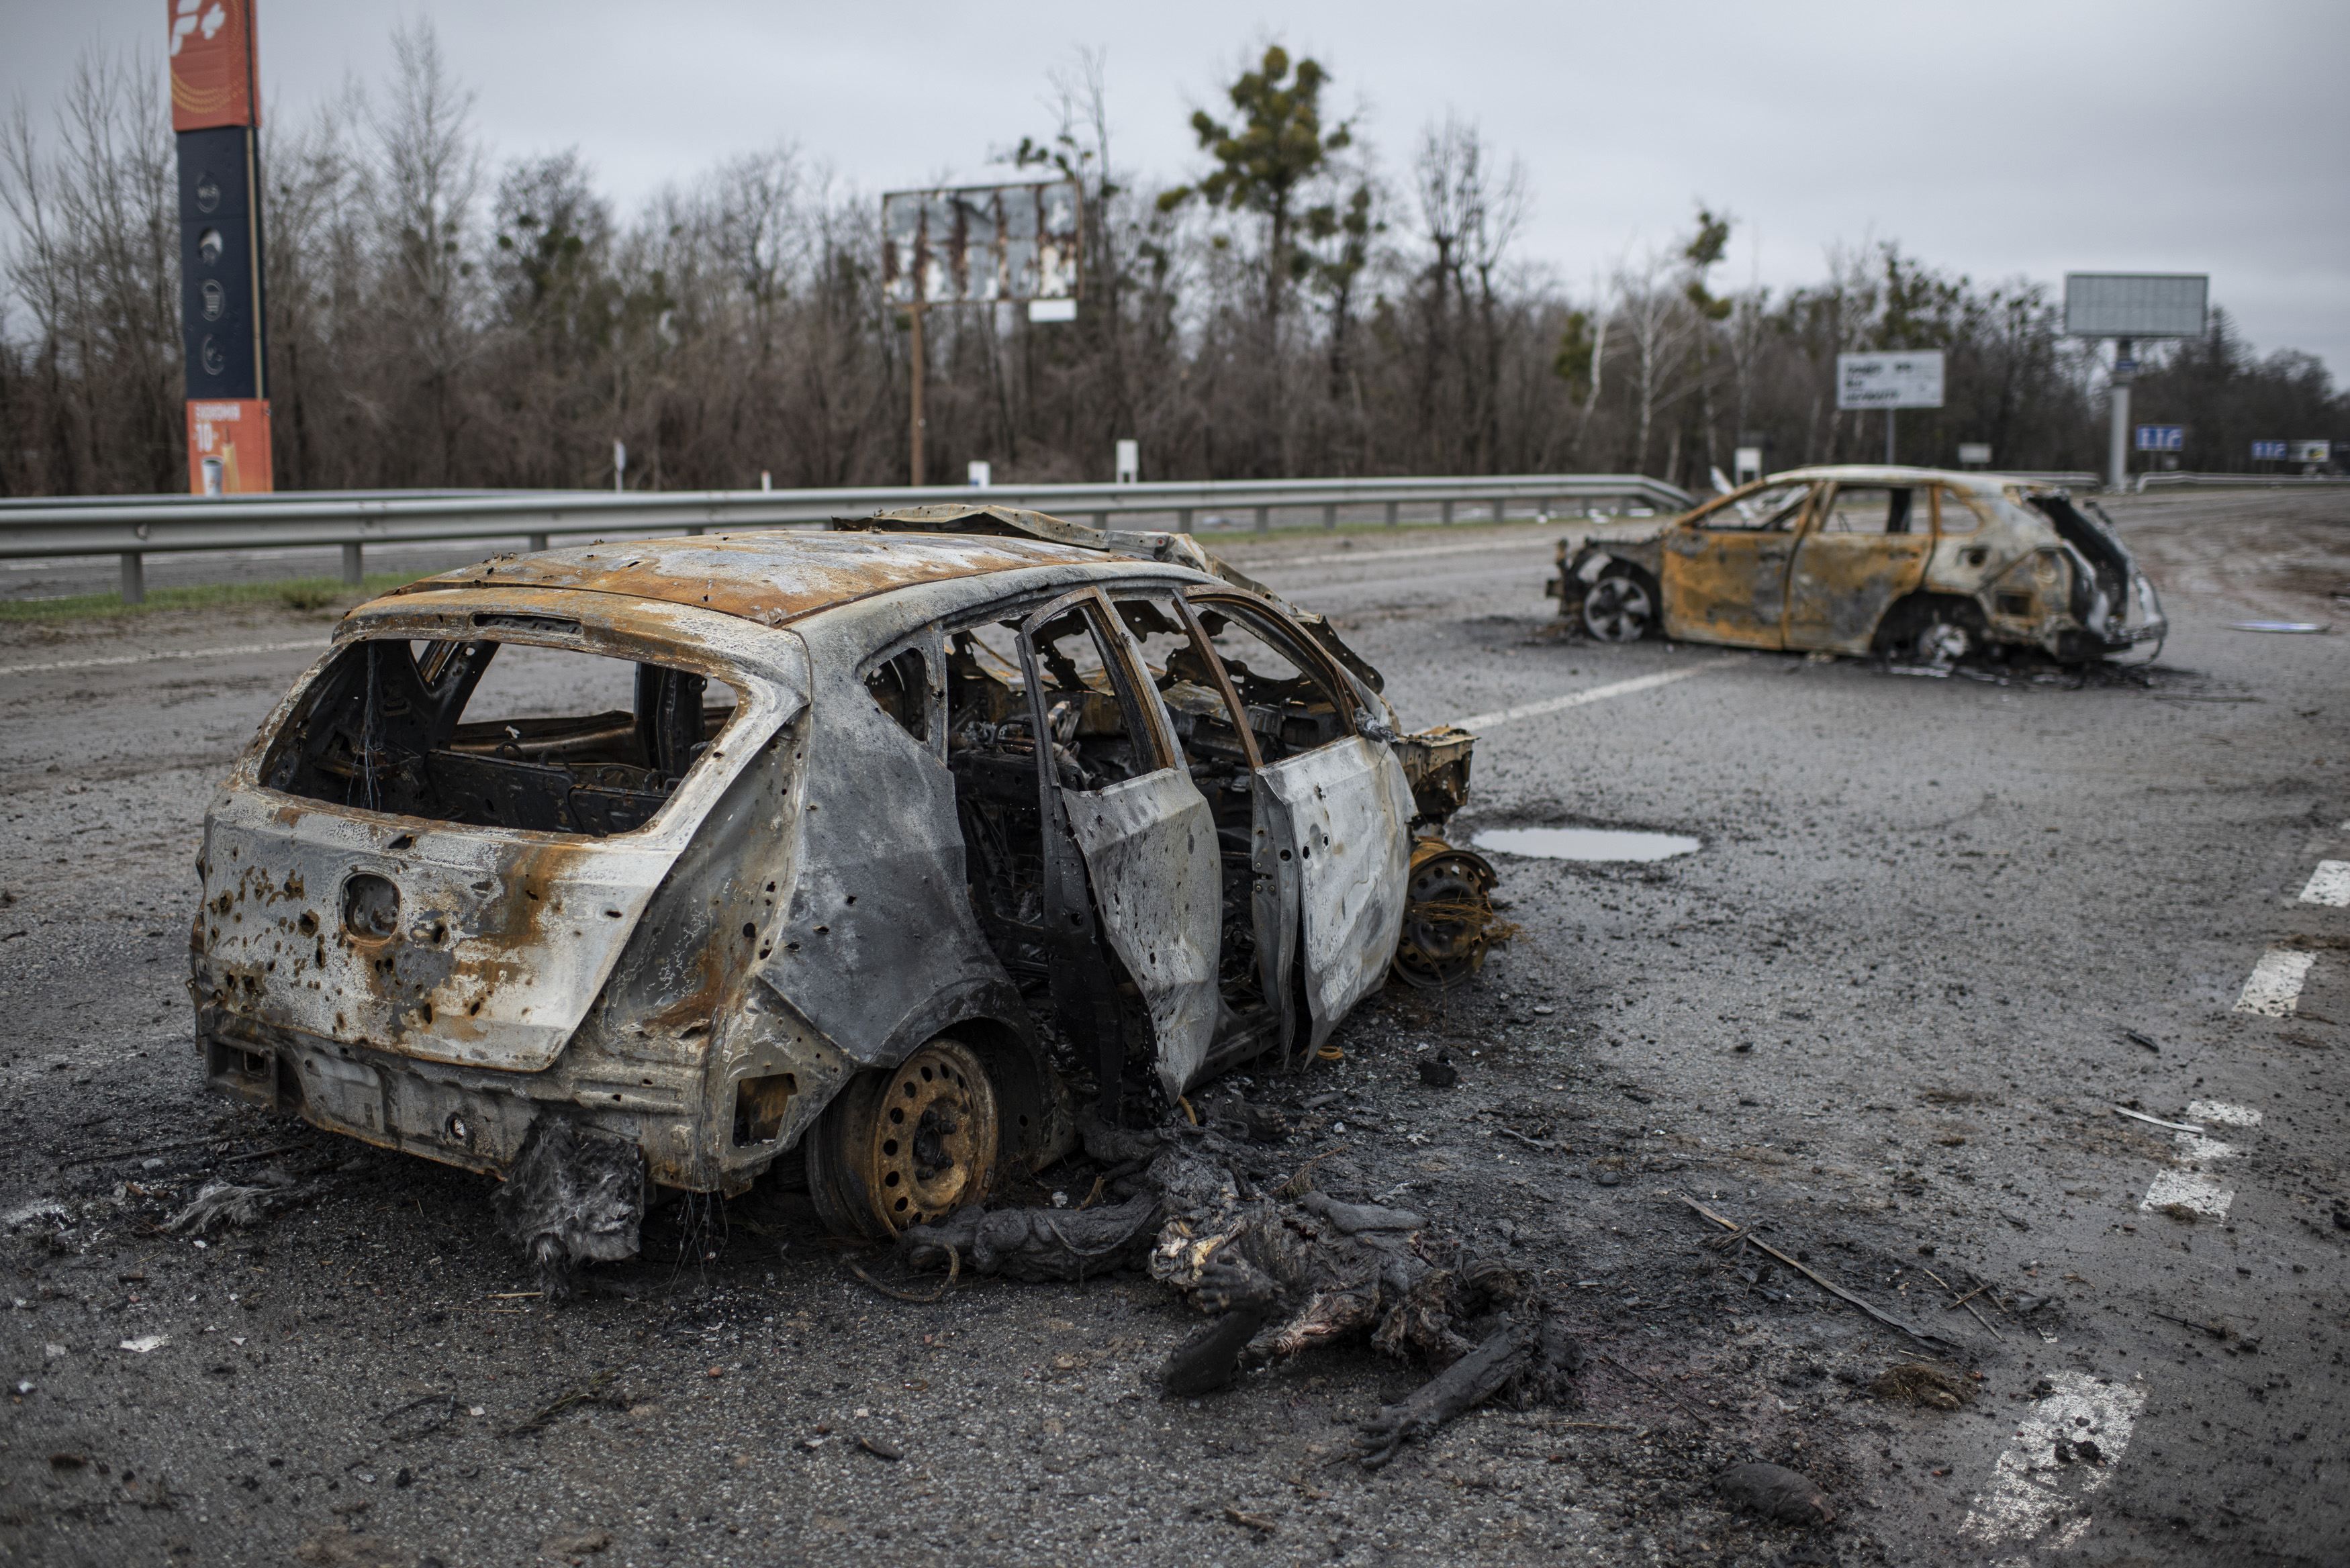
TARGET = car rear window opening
x,y
497,735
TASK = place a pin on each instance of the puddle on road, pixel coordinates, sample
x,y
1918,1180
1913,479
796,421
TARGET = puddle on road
x,y
1585,843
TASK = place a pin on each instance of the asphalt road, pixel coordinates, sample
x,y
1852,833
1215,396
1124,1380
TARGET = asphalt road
x,y
1885,1012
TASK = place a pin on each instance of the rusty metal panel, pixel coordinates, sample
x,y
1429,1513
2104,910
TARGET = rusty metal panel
x,y
1341,814
1149,848
976,244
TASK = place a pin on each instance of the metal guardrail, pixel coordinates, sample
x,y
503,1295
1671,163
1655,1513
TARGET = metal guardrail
x,y
135,528
2147,481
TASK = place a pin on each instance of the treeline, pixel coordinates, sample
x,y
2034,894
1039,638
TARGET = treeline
x,y
438,318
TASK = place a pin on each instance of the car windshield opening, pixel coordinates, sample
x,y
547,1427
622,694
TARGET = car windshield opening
x,y
485,733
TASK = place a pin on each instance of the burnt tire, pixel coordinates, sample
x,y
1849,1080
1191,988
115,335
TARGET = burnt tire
x,y
906,1147
1620,605
1935,632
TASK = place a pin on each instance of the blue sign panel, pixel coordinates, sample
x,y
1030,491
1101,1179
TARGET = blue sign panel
x,y
2162,437
2268,452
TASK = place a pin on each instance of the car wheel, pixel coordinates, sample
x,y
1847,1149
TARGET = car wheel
x,y
1618,607
900,1147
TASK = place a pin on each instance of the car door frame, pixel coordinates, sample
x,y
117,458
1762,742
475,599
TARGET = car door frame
x,y
1130,870
1711,578
1862,590
1310,940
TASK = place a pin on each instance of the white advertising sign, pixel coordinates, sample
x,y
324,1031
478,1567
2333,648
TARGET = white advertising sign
x,y
1909,379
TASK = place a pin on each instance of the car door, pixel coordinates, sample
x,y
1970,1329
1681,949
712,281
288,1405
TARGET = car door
x,y
1865,547
1725,569
1143,877
1332,818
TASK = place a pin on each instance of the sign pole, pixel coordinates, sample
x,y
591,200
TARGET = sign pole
x,y
2118,397
1889,438
223,319
915,422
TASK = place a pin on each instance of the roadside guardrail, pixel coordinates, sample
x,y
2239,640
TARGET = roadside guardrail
x,y
2147,481
133,529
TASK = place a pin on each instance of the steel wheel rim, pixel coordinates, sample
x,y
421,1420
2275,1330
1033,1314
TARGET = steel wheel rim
x,y
1617,609
933,1141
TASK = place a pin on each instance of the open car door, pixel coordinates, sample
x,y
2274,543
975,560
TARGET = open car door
x,y
1144,876
1331,820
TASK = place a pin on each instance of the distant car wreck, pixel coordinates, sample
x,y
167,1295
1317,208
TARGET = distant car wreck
x,y
1919,565
645,865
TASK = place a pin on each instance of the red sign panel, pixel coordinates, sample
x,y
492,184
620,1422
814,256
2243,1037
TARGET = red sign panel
x,y
214,69
228,447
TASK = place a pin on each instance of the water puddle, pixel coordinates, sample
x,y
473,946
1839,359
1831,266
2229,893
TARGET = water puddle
x,y
1585,843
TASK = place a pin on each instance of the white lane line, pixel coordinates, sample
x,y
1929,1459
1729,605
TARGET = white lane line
x,y
2194,1188
1481,721
2046,1477
2273,988
2329,885
316,644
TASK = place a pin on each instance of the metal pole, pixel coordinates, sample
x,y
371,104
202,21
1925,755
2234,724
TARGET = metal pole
x,y
537,542
915,422
1330,516
1448,512
1183,521
1889,438
134,578
2117,452
1264,519
354,570
1393,512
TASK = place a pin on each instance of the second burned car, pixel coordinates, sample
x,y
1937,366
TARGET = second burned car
x,y
1919,564
645,865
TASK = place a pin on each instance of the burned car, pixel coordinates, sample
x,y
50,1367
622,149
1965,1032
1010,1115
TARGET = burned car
x,y
1913,564
870,853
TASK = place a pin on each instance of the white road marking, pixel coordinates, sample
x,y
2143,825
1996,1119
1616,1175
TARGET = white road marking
x,y
2031,1488
1373,557
2329,885
2274,989
2193,1189
1481,721
316,644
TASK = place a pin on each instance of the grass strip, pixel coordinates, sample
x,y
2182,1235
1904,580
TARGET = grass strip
x,y
292,593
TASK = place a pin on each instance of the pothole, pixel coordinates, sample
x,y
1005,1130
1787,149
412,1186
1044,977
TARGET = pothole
x,y
1585,843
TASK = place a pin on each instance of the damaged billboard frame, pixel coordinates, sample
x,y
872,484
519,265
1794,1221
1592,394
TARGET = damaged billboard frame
x,y
979,245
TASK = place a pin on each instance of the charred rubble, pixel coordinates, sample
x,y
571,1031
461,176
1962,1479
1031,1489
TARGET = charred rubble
x,y
1278,1270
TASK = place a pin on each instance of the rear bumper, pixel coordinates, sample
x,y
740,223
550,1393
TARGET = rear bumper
x,y
474,1119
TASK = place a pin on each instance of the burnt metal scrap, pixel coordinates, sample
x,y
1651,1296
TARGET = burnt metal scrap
x,y
885,849
1276,1276
1920,565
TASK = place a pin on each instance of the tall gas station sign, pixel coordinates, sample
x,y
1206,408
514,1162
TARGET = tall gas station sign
x,y
217,113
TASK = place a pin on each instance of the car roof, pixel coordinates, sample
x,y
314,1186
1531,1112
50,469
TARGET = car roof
x,y
773,577
1888,473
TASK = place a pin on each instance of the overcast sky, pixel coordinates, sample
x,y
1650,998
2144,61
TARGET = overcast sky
x,y
1994,138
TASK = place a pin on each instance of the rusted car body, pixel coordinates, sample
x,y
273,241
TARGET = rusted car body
x,y
901,828
1912,563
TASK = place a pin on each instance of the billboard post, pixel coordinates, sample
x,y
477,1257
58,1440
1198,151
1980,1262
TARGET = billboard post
x,y
978,244
224,325
1905,380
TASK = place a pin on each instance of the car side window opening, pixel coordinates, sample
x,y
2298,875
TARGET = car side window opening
x,y
555,741
901,686
1220,759
1957,514
1291,706
1873,509
1775,508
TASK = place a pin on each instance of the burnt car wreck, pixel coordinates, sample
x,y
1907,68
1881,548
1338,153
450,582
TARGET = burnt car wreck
x,y
1919,565
877,859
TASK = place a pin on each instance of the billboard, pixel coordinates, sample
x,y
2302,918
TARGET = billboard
x,y
2162,437
2135,303
1909,379
223,321
977,244
212,65
2313,452
2269,451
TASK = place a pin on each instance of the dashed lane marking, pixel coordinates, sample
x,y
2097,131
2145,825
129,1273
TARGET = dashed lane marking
x,y
2329,885
2274,989
117,660
1481,721
2045,1480
2195,1188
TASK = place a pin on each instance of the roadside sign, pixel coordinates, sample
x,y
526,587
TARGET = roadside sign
x,y
1974,454
2135,303
2161,437
1912,380
2269,451
2313,452
979,243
